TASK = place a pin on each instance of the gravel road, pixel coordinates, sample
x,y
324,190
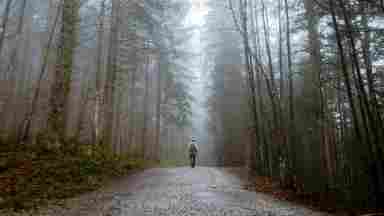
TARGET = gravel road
x,y
204,191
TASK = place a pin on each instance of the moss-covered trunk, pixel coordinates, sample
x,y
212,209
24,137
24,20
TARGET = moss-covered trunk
x,y
61,85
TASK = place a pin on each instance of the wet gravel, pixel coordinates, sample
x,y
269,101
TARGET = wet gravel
x,y
183,191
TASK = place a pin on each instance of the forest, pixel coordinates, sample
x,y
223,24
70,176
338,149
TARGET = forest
x,y
291,90
300,85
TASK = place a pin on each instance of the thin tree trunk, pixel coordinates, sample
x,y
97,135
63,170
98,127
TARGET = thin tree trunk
x,y
110,84
117,134
99,70
272,83
256,80
281,53
313,98
83,108
4,24
61,86
249,67
158,108
291,131
29,117
370,76
133,106
12,68
145,106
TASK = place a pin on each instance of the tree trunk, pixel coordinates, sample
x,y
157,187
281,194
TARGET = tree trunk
x,y
312,101
133,105
4,23
158,108
250,72
145,107
26,124
63,71
12,69
291,132
370,76
99,70
271,83
281,70
110,83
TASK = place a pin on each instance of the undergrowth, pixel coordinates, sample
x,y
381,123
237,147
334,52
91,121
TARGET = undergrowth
x,y
33,176
329,202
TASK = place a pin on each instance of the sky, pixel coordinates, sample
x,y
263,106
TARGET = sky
x,y
197,13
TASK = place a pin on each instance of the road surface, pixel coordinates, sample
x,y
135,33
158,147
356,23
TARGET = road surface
x,y
204,191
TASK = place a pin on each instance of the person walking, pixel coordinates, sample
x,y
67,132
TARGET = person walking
x,y
192,148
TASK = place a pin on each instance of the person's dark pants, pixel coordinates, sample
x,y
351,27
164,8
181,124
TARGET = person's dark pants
x,y
193,160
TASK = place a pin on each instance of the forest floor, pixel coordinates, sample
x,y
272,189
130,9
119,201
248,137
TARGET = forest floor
x,y
177,191
34,177
319,202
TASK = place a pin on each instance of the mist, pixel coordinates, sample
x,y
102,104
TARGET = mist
x,y
292,90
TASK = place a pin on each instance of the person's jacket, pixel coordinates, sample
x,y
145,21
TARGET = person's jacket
x,y
193,149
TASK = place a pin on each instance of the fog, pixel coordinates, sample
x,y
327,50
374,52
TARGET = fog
x,y
289,89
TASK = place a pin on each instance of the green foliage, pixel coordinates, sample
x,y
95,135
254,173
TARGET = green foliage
x,y
377,51
183,105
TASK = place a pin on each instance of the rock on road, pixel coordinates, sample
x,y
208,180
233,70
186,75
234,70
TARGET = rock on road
x,y
204,191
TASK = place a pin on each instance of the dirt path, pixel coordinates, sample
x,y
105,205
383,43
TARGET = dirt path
x,y
179,191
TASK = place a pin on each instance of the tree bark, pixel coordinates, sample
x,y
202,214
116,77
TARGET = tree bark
x,y
4,23
158,108
61,86
12,69
99,70
291,118
29,117
110,83
145,107
312,100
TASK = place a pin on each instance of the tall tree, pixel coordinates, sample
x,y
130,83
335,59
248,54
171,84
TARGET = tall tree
x,y
4,23
110,83
312,100
67,42
99,70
